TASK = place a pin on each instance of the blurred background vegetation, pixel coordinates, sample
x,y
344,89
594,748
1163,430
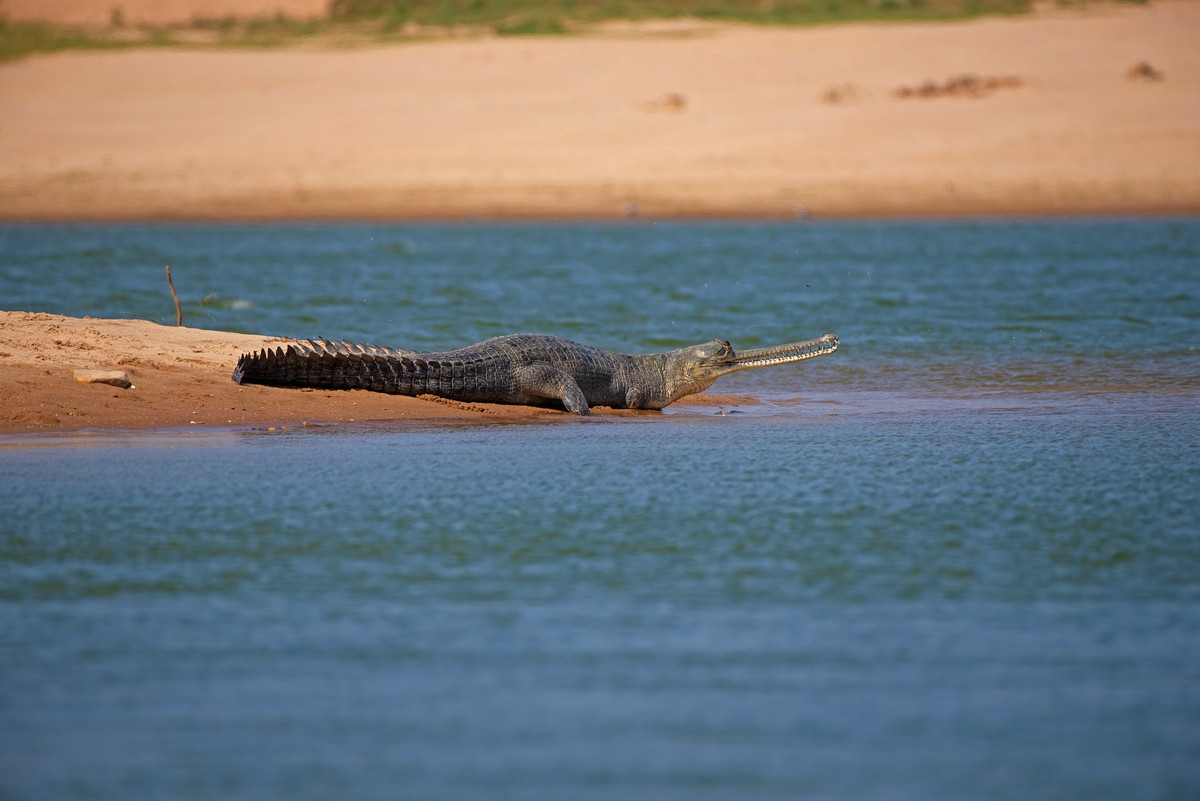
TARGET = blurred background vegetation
x,y
561,16
367,21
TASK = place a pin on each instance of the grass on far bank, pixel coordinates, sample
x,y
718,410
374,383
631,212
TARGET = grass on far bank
x,y
390,20
559,16
23,38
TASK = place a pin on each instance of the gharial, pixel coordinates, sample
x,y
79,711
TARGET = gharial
x,y
533,369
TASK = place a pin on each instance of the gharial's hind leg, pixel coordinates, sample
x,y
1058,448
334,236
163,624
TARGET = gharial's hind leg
x,y
544,381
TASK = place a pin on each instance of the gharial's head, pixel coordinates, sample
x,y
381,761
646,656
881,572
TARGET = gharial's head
x,y
695,368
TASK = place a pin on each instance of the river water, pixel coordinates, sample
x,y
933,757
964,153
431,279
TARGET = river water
x,y
957,559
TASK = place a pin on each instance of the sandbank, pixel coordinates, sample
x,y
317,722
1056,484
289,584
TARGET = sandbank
x,y
181,377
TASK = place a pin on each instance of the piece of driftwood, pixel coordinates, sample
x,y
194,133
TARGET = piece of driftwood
x,y
116,378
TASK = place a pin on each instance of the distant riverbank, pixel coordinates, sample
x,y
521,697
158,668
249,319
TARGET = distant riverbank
x,y
1056,113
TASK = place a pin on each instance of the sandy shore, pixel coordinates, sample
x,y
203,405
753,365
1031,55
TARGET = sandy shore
x,y
650,120
181,377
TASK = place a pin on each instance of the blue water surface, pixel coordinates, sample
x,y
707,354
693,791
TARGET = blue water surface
x,y
957,559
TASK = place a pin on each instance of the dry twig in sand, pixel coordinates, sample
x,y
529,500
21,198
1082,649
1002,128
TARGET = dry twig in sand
x,y
174,297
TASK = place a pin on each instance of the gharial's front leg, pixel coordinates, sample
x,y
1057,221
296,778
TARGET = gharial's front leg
x,y
544,381
638,399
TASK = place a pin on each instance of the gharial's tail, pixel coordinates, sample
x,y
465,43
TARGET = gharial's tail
x,y
323,364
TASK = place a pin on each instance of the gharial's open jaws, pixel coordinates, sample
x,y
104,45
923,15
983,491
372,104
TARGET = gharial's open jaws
x,y
784,354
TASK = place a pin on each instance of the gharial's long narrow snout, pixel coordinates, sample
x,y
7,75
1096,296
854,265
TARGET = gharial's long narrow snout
x,y
782,354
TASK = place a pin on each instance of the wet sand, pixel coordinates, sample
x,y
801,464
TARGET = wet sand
x,y
678,119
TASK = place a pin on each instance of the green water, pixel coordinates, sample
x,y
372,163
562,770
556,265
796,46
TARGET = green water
x,y
957,559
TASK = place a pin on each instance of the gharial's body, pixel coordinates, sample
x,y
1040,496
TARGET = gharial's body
x,y
520,368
